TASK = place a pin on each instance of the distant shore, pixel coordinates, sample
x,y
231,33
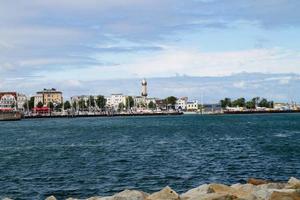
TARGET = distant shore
x,y
101,115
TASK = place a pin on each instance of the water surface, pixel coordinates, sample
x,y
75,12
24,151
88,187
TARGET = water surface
x,y
100,156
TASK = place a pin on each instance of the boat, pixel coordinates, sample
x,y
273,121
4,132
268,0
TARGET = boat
x,y
10,115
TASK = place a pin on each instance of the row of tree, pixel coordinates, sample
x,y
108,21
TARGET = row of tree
x,y
251,104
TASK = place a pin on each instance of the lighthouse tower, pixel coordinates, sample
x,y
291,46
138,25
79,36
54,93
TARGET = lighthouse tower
x,y
144,88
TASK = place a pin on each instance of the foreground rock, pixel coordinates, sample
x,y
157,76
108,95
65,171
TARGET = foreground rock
x,y
255,189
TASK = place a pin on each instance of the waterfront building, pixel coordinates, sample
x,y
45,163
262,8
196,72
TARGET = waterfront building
x,y
192,106
51,96
144,88
139,101
8,100
38,98
21,101
113,101
181,103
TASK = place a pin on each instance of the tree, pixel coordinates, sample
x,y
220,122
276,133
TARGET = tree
x,y
151,105
74,105
250,104
129,102
40,105
91,101
121,107
266,104
67,105
31,103
51,105
226,103
82,104
241,102
101,102
58,107
171,100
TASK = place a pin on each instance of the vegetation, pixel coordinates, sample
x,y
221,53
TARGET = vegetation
x,y
121,107
152,105
51,105
252,104
91,101
82,104
129,102
171,101
67,105
40,105
101,101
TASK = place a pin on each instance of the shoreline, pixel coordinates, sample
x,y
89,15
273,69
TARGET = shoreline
x,y
254,189
101,115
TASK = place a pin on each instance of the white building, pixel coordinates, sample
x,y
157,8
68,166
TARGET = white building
x,y
192,106
181,103
114,100
21,101
38,98
8,100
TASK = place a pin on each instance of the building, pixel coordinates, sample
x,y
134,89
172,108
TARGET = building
x,y
192,106
8,100
37,99
51,96
21,101
181,103
144,88
113,101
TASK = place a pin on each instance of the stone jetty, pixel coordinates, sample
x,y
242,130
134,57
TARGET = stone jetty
x,y
254,189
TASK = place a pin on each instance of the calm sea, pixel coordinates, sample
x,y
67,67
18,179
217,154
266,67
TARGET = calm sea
x,y
102,156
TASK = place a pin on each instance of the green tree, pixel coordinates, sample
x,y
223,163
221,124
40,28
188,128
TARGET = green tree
x,y
241,102
50,105
266,104
226,103
171,100
74,105
40,105
121,107
250,104
101,102
91,101
129,102
82,104
31,103
67,105
152,105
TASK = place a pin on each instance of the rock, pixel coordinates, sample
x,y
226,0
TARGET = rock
x,y
51,198
254,181
130,195
277,186
238,191
94,198
165,194
215,196
283,195
196,192
293,183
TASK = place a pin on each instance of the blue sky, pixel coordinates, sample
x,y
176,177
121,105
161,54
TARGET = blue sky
x,y
67,42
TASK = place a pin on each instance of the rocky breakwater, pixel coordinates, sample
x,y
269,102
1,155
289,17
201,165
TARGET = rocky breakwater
x,y
255,189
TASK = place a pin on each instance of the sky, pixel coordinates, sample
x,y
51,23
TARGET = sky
x,y
72,45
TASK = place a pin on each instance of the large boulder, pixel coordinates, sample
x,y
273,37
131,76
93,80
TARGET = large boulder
x,y
130,195
238,191
215,196
165,194
285,195
255,181
51,198
196,192
293,183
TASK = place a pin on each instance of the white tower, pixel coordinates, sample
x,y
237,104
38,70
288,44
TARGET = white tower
x,y
144,88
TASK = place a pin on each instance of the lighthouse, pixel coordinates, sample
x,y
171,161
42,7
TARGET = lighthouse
x,y
144,88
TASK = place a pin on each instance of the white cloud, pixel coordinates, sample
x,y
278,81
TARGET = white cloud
x,y
196,63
